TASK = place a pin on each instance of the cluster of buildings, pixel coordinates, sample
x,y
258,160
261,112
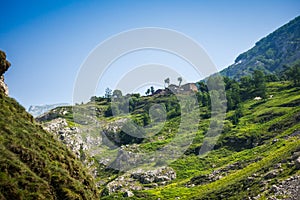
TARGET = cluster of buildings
x,y
178,89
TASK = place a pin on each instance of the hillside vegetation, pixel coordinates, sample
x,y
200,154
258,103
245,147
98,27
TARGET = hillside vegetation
x,y
270,54
237,137
259,138
264,142
33,164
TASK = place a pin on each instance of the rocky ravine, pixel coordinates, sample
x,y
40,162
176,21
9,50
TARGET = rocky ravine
x,y
86,145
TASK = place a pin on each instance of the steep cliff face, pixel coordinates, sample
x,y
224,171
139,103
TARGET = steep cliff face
x,y
4,65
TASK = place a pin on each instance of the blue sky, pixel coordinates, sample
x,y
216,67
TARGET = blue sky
x,y
47,41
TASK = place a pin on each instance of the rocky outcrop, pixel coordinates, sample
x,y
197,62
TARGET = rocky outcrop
x,y
297,163
54,114
286,189
128,157
69,135
112,130
123,184
86,141
3,86
81,141
77,139
141,180
160,175
218,173
4,65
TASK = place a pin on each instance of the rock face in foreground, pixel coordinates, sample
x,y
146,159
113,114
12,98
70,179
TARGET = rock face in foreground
x,y
79,143
4,65
68,135
33,164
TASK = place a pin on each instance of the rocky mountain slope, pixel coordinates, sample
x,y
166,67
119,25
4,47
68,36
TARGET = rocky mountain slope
x,y
148,147
258,157
33,164
270,54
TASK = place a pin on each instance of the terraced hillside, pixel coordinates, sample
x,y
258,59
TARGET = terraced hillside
x,y
240,140
254,156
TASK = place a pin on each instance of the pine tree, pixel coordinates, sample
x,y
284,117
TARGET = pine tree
x,y
259,84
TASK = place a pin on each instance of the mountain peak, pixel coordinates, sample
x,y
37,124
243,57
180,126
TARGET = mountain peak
x,y
270,54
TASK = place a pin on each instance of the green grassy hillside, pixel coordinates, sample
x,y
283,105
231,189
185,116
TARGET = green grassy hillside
x,y
265,135
270,54
34,165
256,156
258,150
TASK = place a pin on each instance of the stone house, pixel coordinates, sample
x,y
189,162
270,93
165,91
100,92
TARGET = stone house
x,y
186,88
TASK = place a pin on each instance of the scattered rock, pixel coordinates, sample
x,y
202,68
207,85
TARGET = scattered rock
x,y
128,194
288,188
234,166
136,180
295,155
291,163
297,163
277,166
271,174
112,130
159,175
296,133
274,188
220,173
70,136
274,141
250,179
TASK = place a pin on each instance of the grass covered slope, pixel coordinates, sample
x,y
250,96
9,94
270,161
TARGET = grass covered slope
x,y
254,152
270,54
33,165
250,158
